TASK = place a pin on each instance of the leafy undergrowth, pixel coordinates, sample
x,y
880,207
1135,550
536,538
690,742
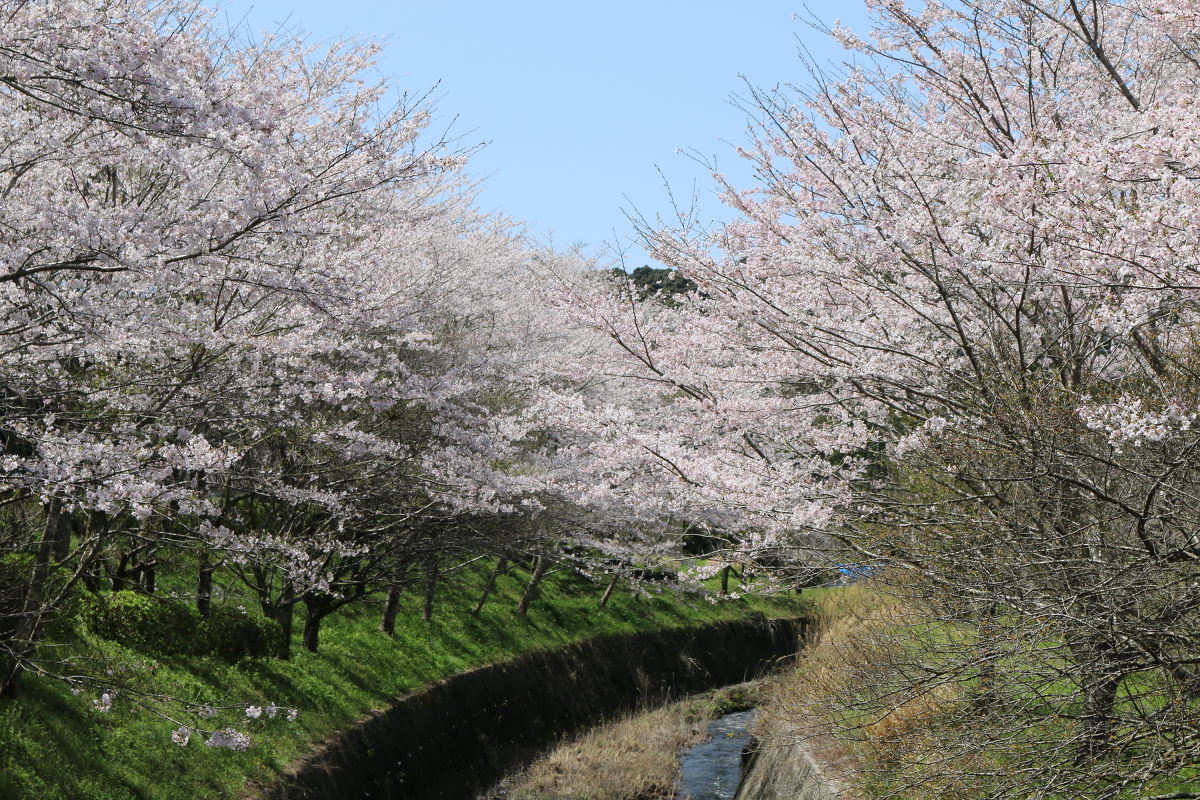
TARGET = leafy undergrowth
x,y
56,745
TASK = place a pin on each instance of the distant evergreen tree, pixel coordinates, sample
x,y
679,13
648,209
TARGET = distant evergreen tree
x,y
650,281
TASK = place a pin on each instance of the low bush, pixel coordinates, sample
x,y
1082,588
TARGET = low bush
x,y
142,621
170,627
232,633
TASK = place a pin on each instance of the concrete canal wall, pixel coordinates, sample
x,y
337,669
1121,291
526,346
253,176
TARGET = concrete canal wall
x,y
781,769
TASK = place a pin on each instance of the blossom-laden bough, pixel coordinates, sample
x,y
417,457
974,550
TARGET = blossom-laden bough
x,y
248,313
952,335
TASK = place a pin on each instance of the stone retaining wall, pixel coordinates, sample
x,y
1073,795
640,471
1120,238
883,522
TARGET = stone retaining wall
x,y
784,770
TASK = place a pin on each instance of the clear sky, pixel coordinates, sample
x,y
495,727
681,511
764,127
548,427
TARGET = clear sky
x,y
581,104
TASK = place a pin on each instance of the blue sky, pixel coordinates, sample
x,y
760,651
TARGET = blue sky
x,y
581,104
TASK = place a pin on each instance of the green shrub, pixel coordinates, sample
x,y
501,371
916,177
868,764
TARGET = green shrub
x,y
170,627
143,622
231,633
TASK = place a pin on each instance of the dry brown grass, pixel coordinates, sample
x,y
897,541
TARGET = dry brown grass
x,y
852,699
634,758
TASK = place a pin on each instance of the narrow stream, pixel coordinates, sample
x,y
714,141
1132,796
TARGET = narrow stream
x,y
711,771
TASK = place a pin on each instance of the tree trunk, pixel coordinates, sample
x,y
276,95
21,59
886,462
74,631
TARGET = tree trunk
x,y
62,538
92,563
318,609
204,583
147,568
612,584
725,581
312,632
285,612
1096,725
1099,681
431,576
391,606
24,641
500,565
120,578
539,570
987,658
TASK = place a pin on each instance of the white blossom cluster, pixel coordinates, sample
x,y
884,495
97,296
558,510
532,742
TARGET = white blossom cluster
x,y
228,738
1129,422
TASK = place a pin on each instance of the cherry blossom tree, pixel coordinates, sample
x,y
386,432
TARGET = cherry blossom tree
x,y
643,442
217,255
953,331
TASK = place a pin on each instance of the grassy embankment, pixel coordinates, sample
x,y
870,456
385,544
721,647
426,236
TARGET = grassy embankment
x,y
877,699
54,745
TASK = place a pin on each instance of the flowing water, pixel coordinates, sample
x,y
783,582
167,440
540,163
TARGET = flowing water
x,y
711,771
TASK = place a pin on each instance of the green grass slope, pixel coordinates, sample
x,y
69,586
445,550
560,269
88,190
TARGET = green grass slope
x,y
55,745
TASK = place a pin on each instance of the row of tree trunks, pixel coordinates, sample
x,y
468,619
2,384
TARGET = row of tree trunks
x,y
541,564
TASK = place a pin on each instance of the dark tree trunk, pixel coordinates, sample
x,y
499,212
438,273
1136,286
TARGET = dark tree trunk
x,y
539,570
725,580
279,609
318,608
147,568
1097,724
987,658
284,614
62,538
500,565
431,577
91,580
204,583
24,640
391,606
312,632
93,564
1100,679
120,578
608,590
321,607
